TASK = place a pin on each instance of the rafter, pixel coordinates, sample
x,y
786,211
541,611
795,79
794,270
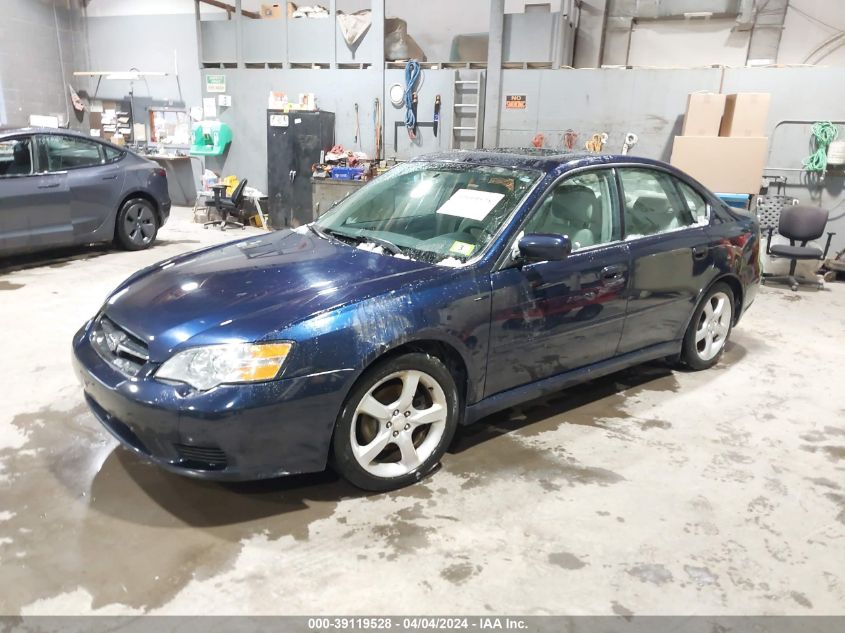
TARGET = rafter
x,y
231,9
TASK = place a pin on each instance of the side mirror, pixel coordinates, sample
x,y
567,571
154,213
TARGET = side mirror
x,y
543,247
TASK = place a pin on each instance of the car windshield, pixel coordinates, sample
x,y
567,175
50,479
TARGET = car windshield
x,y
437,212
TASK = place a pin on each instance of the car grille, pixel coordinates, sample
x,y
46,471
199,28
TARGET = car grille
x,y
204,457
124,351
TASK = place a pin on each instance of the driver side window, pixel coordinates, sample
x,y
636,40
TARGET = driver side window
x,y
59,153
584,207
15,157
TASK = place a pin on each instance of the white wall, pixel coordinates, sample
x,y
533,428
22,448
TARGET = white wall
x,y
663,43
808,24
687,43
107,8
519,6
168,42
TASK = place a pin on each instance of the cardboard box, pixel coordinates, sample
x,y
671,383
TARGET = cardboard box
x,y
271,11
746,114
723,164
704,114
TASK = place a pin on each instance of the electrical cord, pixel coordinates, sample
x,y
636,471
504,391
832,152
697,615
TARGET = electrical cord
x,y
824,133
839,37
815,19
412,76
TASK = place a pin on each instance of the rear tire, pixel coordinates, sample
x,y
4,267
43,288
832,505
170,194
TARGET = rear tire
x,y
136,225
396,424
709,329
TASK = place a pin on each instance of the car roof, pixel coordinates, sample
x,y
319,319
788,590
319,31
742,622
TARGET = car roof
x,y
546,160
42,130
12,132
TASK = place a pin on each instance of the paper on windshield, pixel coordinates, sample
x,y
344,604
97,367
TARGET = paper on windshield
x,y
471,203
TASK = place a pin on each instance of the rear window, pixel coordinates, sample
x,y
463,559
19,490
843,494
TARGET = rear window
x,y
112,153
652,203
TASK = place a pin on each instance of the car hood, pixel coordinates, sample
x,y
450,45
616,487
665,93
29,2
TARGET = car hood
x,y
247,290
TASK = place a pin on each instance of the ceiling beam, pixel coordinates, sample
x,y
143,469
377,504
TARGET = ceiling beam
x,y
230,9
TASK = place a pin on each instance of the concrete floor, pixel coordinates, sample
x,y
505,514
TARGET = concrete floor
x,y
650,492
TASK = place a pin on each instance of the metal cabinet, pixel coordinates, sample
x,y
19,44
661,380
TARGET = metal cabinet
x,y
295,142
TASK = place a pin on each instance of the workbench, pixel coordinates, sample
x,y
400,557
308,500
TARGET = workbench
x,y
327,191
181,182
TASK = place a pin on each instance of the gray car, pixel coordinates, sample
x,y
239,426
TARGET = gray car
x,y
61,188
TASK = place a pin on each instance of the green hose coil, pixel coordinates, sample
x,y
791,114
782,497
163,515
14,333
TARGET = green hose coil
x,y
824,133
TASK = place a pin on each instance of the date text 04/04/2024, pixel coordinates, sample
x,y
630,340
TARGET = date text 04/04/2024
x,y
416,623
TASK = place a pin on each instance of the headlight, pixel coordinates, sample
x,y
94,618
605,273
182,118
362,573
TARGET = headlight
x,y
207,367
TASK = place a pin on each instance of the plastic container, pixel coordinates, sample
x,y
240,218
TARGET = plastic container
x,y
836,153
347,173
208,178
735,200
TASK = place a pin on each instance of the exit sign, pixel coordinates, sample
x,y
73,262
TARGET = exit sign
x,y
515,102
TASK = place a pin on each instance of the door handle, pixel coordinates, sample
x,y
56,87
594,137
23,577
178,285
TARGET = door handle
x,y
112,177
700,252
52,185
613,273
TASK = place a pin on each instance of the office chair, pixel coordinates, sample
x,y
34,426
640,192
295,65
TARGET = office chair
x,y
798,224
228,206
768,209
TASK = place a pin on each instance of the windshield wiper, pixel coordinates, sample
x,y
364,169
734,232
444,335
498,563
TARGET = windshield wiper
x,y
318,231
339,235
387,245
390,247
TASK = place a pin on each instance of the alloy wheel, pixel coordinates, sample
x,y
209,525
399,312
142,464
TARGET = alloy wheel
x,y
713,326
139,223
398,423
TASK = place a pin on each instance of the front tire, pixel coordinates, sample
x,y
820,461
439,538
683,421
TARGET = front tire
x,y
709,329
396,423
137,226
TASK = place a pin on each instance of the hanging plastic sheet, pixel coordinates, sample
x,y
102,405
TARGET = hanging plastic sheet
x,y
354,25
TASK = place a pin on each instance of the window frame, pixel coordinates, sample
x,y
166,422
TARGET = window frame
x,y
506,258
707,210
121,153
675,180
42,138
33,158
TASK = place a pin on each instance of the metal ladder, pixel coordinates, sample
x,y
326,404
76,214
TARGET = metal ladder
x,y
467,109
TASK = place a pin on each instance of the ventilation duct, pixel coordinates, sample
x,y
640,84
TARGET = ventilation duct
x,y
763,18
662,9
747,13
766,29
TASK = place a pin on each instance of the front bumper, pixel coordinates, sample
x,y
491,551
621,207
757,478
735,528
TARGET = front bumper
x,y
231,432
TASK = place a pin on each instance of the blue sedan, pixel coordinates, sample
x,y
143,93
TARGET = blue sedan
x,y
451,287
